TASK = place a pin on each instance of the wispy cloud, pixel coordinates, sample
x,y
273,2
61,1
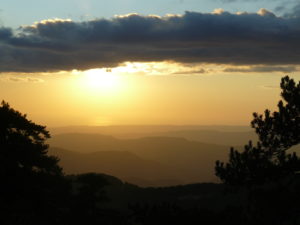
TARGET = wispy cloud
x,y
293,12
287,8
159,69
232,1
270,87
21,79
261,69
191,72
217,38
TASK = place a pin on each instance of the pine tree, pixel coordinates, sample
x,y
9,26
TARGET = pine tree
x,y
268,160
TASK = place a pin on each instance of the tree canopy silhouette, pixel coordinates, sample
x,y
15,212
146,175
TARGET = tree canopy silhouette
x,y
277,132
22,145
32,182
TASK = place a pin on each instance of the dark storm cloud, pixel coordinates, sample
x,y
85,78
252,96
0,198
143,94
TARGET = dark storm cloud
x,y
5,34
245,39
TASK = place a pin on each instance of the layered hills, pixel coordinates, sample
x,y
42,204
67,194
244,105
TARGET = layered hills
x,y
147,161
154,157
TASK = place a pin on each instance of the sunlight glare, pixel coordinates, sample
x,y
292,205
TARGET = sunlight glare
x,y
101,80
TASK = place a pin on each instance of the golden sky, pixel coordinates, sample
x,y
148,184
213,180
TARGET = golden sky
x,y
143,93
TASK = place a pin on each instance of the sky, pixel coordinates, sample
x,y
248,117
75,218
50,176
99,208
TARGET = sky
x,y
204,62
15,13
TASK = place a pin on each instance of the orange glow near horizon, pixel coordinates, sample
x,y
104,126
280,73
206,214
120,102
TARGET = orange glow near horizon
x,y
143,93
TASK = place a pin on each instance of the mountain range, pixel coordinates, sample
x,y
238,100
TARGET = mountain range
x,y
147,161
174,157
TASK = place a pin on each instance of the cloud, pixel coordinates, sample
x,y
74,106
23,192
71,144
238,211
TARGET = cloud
x,y
22,79
261,69
231,1
222,38
270,87
159,69
287,8
294,12
191,72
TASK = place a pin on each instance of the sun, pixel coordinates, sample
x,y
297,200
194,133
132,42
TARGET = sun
x,y
101,80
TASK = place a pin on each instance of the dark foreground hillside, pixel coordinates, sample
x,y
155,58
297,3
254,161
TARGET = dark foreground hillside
x,y
205,203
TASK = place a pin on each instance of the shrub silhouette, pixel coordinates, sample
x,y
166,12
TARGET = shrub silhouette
x,y
277,132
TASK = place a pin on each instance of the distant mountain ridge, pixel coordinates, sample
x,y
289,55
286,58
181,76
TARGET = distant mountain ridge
x,y
221,135
157,161
230,138
146,161
122,164
144,129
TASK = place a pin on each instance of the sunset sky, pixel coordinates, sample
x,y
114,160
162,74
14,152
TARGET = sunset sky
x,y
204,62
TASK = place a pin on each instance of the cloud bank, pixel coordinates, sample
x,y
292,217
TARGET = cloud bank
x,y
218,38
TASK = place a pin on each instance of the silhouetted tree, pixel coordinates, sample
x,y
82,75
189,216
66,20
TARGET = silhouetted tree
x,y
22,145
277,132
32,183
266,173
